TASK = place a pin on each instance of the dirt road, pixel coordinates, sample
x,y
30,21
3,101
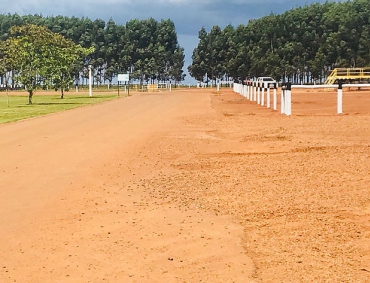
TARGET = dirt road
x,y
188,186
74,206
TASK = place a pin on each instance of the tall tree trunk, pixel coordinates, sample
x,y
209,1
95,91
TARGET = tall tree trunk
x,y
13,84
30,94
62,94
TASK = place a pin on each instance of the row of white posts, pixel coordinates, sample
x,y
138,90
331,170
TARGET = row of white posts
x,y
254,92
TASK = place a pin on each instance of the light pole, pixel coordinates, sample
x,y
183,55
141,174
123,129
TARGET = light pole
x,y
90,81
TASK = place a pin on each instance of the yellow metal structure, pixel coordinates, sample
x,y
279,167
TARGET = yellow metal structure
x,y
348,74
152,87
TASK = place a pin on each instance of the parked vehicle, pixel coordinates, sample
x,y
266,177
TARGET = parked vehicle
x,y
267,82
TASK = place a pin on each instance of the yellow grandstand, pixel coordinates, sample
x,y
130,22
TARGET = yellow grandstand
x,y
349,75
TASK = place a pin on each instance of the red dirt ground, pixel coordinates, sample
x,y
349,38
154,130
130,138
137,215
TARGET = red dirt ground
x,y
188,186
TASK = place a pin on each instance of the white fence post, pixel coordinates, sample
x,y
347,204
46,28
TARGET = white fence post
x,y
288,100
254,91
282,99
263,96
340,99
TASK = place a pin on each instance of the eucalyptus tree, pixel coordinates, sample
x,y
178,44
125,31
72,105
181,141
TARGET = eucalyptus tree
x,y
132,55
141,37
96,36
363,54
110,49
151,50
228,50
148,48
169,55
237,59
201,57
215,49
196,68
362,10
176,72
300,44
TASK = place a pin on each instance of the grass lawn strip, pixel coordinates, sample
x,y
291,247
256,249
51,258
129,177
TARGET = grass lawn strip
x,y
43,104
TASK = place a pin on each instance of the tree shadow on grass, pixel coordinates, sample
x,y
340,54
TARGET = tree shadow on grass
x,y
58,103
49,103
84,97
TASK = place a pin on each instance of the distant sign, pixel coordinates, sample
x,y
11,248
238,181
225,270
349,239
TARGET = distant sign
x,y
123,77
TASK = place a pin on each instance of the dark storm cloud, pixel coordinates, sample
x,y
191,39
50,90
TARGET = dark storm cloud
x,y
188,15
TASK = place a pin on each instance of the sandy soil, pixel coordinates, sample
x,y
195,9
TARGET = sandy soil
x,y
188,186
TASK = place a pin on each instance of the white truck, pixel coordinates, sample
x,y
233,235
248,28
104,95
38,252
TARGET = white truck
x,y
267,82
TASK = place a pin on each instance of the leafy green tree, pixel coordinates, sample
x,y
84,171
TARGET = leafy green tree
x,y
7,63
32,45
65,55
40,58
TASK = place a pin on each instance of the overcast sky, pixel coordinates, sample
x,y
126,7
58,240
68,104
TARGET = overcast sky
x,y
189,16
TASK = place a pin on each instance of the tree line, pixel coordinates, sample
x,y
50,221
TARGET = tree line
x,y
148,49
301,45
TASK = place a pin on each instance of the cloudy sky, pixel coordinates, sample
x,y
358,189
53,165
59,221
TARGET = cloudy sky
x,y
189,16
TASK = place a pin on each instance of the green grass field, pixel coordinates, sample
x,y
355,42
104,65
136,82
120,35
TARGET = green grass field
x,y
15,107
